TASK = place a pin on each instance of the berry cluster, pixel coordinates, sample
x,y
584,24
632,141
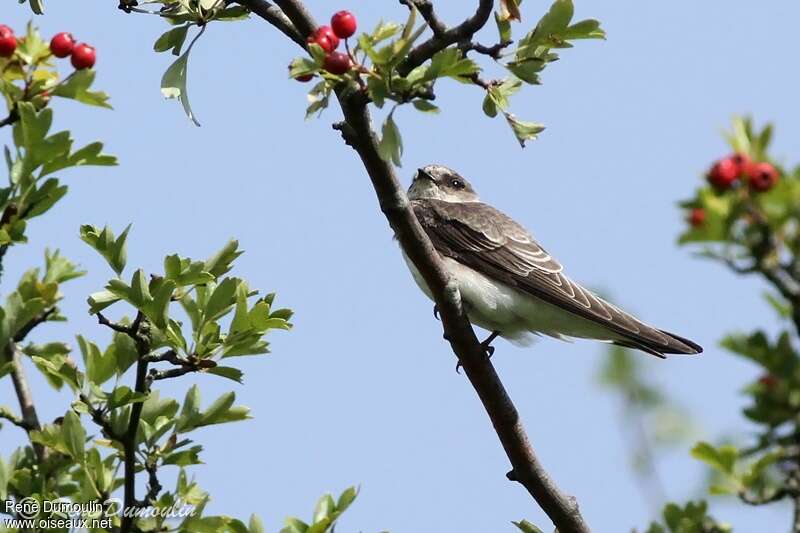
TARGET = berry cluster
x,y
760,176
62,45
343,25
736,171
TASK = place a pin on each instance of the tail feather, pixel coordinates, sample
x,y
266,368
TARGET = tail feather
x,y
674,345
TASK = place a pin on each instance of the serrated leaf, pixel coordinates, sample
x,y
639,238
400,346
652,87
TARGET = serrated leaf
x,y
172,40
390,147
77,88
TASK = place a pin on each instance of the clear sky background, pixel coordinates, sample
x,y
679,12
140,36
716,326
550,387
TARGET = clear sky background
x,y
363,390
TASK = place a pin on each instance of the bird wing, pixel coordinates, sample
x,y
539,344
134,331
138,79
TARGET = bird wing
x,y
485,239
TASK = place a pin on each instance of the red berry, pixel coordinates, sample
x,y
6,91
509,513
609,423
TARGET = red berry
x,y
61,44
83,56
742,162
697,217
337,63
769,381
8,43
325,37
724,173
762,176
343,24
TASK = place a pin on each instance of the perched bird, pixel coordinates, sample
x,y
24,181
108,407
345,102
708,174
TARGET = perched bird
x,y
509,284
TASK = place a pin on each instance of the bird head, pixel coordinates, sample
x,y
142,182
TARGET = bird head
x,y
438,182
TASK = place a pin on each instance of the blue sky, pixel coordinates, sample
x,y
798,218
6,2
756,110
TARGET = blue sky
x,y
363,390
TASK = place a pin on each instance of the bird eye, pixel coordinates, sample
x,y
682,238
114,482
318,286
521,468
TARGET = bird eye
x,y
458,184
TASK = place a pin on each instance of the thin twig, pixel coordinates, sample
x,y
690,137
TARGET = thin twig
x,y
10,119
462,32
35,321
153,485
14,420
493,51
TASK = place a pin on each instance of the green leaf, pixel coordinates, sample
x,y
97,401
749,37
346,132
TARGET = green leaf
x,y
255,525
424,106
324,508
294,525
190,413
123,395
74,436
99,366
89,155
346,499
223,260
526,527
157,310
172,40
555,21
390,147
227,372
174,80
523,131
140,291
722,458
77,86
113,250
585,29
503,27
187,457
223,411
221,299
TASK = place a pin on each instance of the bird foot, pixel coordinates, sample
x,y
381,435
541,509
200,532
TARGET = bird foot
x,y
487,348
436,311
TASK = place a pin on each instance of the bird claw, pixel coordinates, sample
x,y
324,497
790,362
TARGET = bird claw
x,y
487,348
436,311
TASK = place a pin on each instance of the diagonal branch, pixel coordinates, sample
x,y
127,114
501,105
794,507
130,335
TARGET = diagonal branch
x,y
300,16
441,40
30,419
274,16
358,132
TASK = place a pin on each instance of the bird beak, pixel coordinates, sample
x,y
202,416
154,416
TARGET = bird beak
x,y
421,174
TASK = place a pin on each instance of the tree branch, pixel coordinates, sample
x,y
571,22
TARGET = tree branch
x,y
299,16
17,421
425,8
129,438
10,119
30,418
440,41
493,51
99,418
274,16
153,485
35,321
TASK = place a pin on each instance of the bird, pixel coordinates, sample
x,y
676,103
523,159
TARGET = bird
x,y
510,285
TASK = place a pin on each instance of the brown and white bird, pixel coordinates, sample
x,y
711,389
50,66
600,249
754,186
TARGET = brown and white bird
x,y
510,285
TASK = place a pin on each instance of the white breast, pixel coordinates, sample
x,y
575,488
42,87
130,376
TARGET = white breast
x,y
495,306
